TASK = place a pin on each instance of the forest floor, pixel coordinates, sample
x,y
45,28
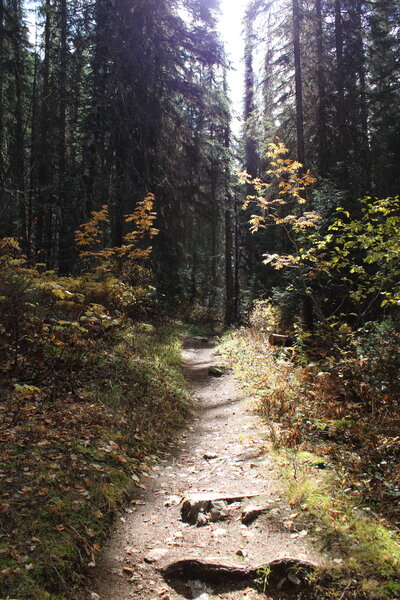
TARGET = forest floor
x,y
225,550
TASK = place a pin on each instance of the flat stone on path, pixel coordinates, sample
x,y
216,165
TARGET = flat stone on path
x,y
193,504
253,511
155,555
216,371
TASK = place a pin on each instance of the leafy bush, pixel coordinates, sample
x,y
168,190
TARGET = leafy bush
x,y
266,316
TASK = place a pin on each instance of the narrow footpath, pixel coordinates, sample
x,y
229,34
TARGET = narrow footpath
x,y
209,514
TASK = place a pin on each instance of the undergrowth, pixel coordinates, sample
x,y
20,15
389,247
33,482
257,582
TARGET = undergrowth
x,y
88,398
337,444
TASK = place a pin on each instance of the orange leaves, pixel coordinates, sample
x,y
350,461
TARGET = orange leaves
x,y
285,174
286,181
92,235
90,232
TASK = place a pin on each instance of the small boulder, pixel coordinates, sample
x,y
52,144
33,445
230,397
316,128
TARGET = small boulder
x,y
155,555
252,512
216,371
202,520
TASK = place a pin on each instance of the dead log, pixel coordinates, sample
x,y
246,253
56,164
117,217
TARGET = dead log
x,y
276,339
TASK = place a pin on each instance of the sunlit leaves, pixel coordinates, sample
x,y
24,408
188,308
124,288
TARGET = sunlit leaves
x,y
93,235
285,183
363,251
284,187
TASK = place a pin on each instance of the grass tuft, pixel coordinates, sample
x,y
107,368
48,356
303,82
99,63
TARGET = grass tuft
x,y
69,463
315,458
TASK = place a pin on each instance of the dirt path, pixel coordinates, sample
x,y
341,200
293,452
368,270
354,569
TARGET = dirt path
x,y
221,452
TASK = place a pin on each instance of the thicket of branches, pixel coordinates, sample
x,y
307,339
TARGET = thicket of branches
x,y
102,102
322,75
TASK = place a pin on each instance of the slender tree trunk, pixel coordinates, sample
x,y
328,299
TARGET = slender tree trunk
x,y
298,82
214,232
17,159
237,258
1,101
267,88
43,158
230,300
321,115
64,242
251,154
32,158
307,306
365,146
230,289
251,158
94,153
342,145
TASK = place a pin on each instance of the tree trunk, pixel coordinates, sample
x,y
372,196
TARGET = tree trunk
x,y
298,82
43,180
1,101
342,144
17,157
230,295
32,158
251,158
364,142
321,115
64,241
214,232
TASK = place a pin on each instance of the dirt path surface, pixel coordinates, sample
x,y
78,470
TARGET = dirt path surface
x,y
221,453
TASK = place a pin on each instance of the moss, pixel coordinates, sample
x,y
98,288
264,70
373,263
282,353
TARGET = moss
x,y
392,589
130,403
311,459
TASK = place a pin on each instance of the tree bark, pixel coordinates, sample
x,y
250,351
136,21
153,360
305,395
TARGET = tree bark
x,y
1,100
342,144
298,82
321,115
230,300
64,241
43,180
251,158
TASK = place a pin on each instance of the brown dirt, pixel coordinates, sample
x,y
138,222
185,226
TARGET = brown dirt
x,y
223,450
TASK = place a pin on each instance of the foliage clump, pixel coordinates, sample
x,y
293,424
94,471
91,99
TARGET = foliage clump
x,y
331,408
87,395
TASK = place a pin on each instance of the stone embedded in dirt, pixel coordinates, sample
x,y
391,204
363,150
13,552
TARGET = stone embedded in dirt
x,y
193,504
199,590
210,455
201,338
216,371
202,520
131,550
155,555
172,501
252,512
215,572
219,532
218,512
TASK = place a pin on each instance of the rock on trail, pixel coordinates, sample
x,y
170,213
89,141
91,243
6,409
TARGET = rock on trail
x,y
210,514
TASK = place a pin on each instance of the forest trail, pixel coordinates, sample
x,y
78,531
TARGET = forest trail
x,y
220,452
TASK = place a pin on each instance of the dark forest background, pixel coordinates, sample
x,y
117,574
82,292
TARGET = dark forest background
x,y
104,101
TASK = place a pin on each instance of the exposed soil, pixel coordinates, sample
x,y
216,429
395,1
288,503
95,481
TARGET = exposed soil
x,y
221,452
